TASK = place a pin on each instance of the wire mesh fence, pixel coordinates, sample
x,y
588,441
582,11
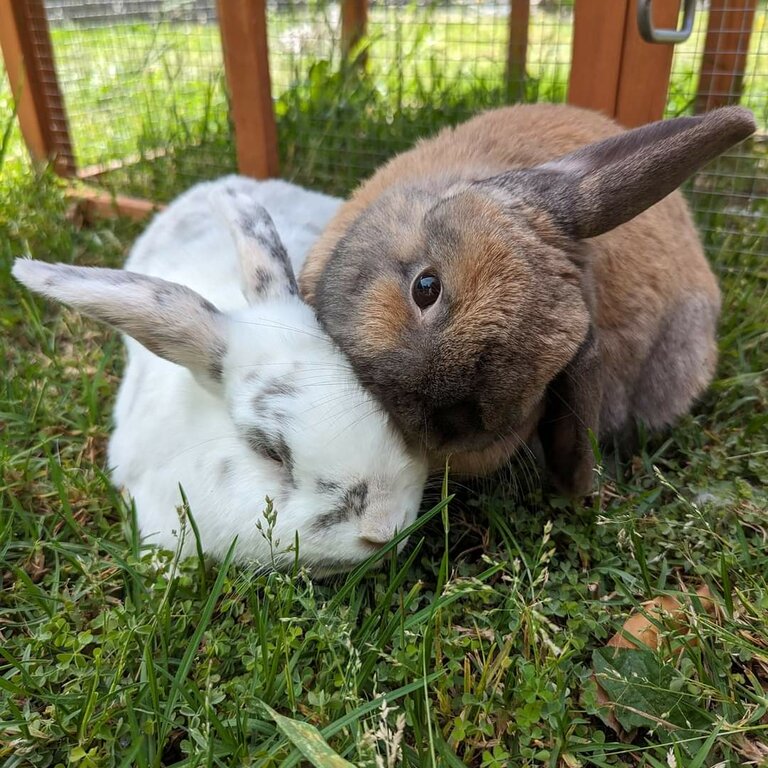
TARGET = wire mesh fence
x,y
143,84
428,65
144,89
730,196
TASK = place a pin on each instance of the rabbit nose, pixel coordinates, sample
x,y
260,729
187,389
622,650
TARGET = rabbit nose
x,y
378,533
456,420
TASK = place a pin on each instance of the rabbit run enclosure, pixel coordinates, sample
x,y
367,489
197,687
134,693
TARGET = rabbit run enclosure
x,y
135,100
487,638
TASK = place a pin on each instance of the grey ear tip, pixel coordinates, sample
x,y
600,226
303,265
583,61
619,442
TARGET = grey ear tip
x,y
232,203
738,120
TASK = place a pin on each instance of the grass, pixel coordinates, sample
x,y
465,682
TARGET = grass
x,y
478,646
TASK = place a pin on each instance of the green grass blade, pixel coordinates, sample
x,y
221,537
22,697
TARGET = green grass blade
x,y
308,740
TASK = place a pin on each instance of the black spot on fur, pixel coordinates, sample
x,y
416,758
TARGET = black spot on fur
x,y
287,455
216,363
257,439
215,371
353,503
329,520
280,387
267,401
326,486
263,280
271,446
259,226
263,411
356,499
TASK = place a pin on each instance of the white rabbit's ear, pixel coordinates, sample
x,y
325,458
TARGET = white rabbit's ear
x,y
265,268
169,319
602,185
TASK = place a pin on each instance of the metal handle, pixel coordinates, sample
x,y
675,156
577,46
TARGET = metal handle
x,y
670,36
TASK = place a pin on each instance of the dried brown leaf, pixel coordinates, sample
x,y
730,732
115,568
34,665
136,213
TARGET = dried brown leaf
x,y
641,629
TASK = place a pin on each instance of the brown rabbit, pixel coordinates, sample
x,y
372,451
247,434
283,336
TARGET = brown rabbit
x,y
517,277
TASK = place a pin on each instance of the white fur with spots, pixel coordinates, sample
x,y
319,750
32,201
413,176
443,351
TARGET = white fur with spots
x,y
272,409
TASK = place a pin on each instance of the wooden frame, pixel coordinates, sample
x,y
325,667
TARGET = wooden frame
x,y
243,26
598,44
354,25
517,47
29,62
92,203
645,67
613,69
729,31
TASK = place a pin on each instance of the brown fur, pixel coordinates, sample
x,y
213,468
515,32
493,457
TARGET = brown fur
x,y
520,292
381,330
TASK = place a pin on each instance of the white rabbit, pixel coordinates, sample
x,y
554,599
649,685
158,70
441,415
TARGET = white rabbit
x,y
232,390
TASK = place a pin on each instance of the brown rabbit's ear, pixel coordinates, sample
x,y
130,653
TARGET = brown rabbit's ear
x,y
572,411
602,185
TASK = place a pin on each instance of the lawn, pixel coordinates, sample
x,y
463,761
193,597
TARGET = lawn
x,y
479,645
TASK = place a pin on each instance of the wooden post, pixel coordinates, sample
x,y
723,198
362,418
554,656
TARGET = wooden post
x,y
354,22
613,69
645,68
243,25
598,43
28,56
725,53
517,50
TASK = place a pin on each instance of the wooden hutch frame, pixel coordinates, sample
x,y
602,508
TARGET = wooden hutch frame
x,y
613,70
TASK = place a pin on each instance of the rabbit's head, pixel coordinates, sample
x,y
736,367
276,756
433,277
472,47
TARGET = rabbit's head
x,y
347,484
465,304
309,437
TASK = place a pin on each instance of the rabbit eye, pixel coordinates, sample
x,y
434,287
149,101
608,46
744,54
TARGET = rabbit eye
x,y
270,446
272,454
426,290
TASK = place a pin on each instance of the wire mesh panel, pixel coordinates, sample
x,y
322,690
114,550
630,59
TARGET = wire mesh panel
x,y
31,72
143,84
144,89
723,64
427,65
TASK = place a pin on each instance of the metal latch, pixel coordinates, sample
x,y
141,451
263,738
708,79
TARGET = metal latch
x,y
650,34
